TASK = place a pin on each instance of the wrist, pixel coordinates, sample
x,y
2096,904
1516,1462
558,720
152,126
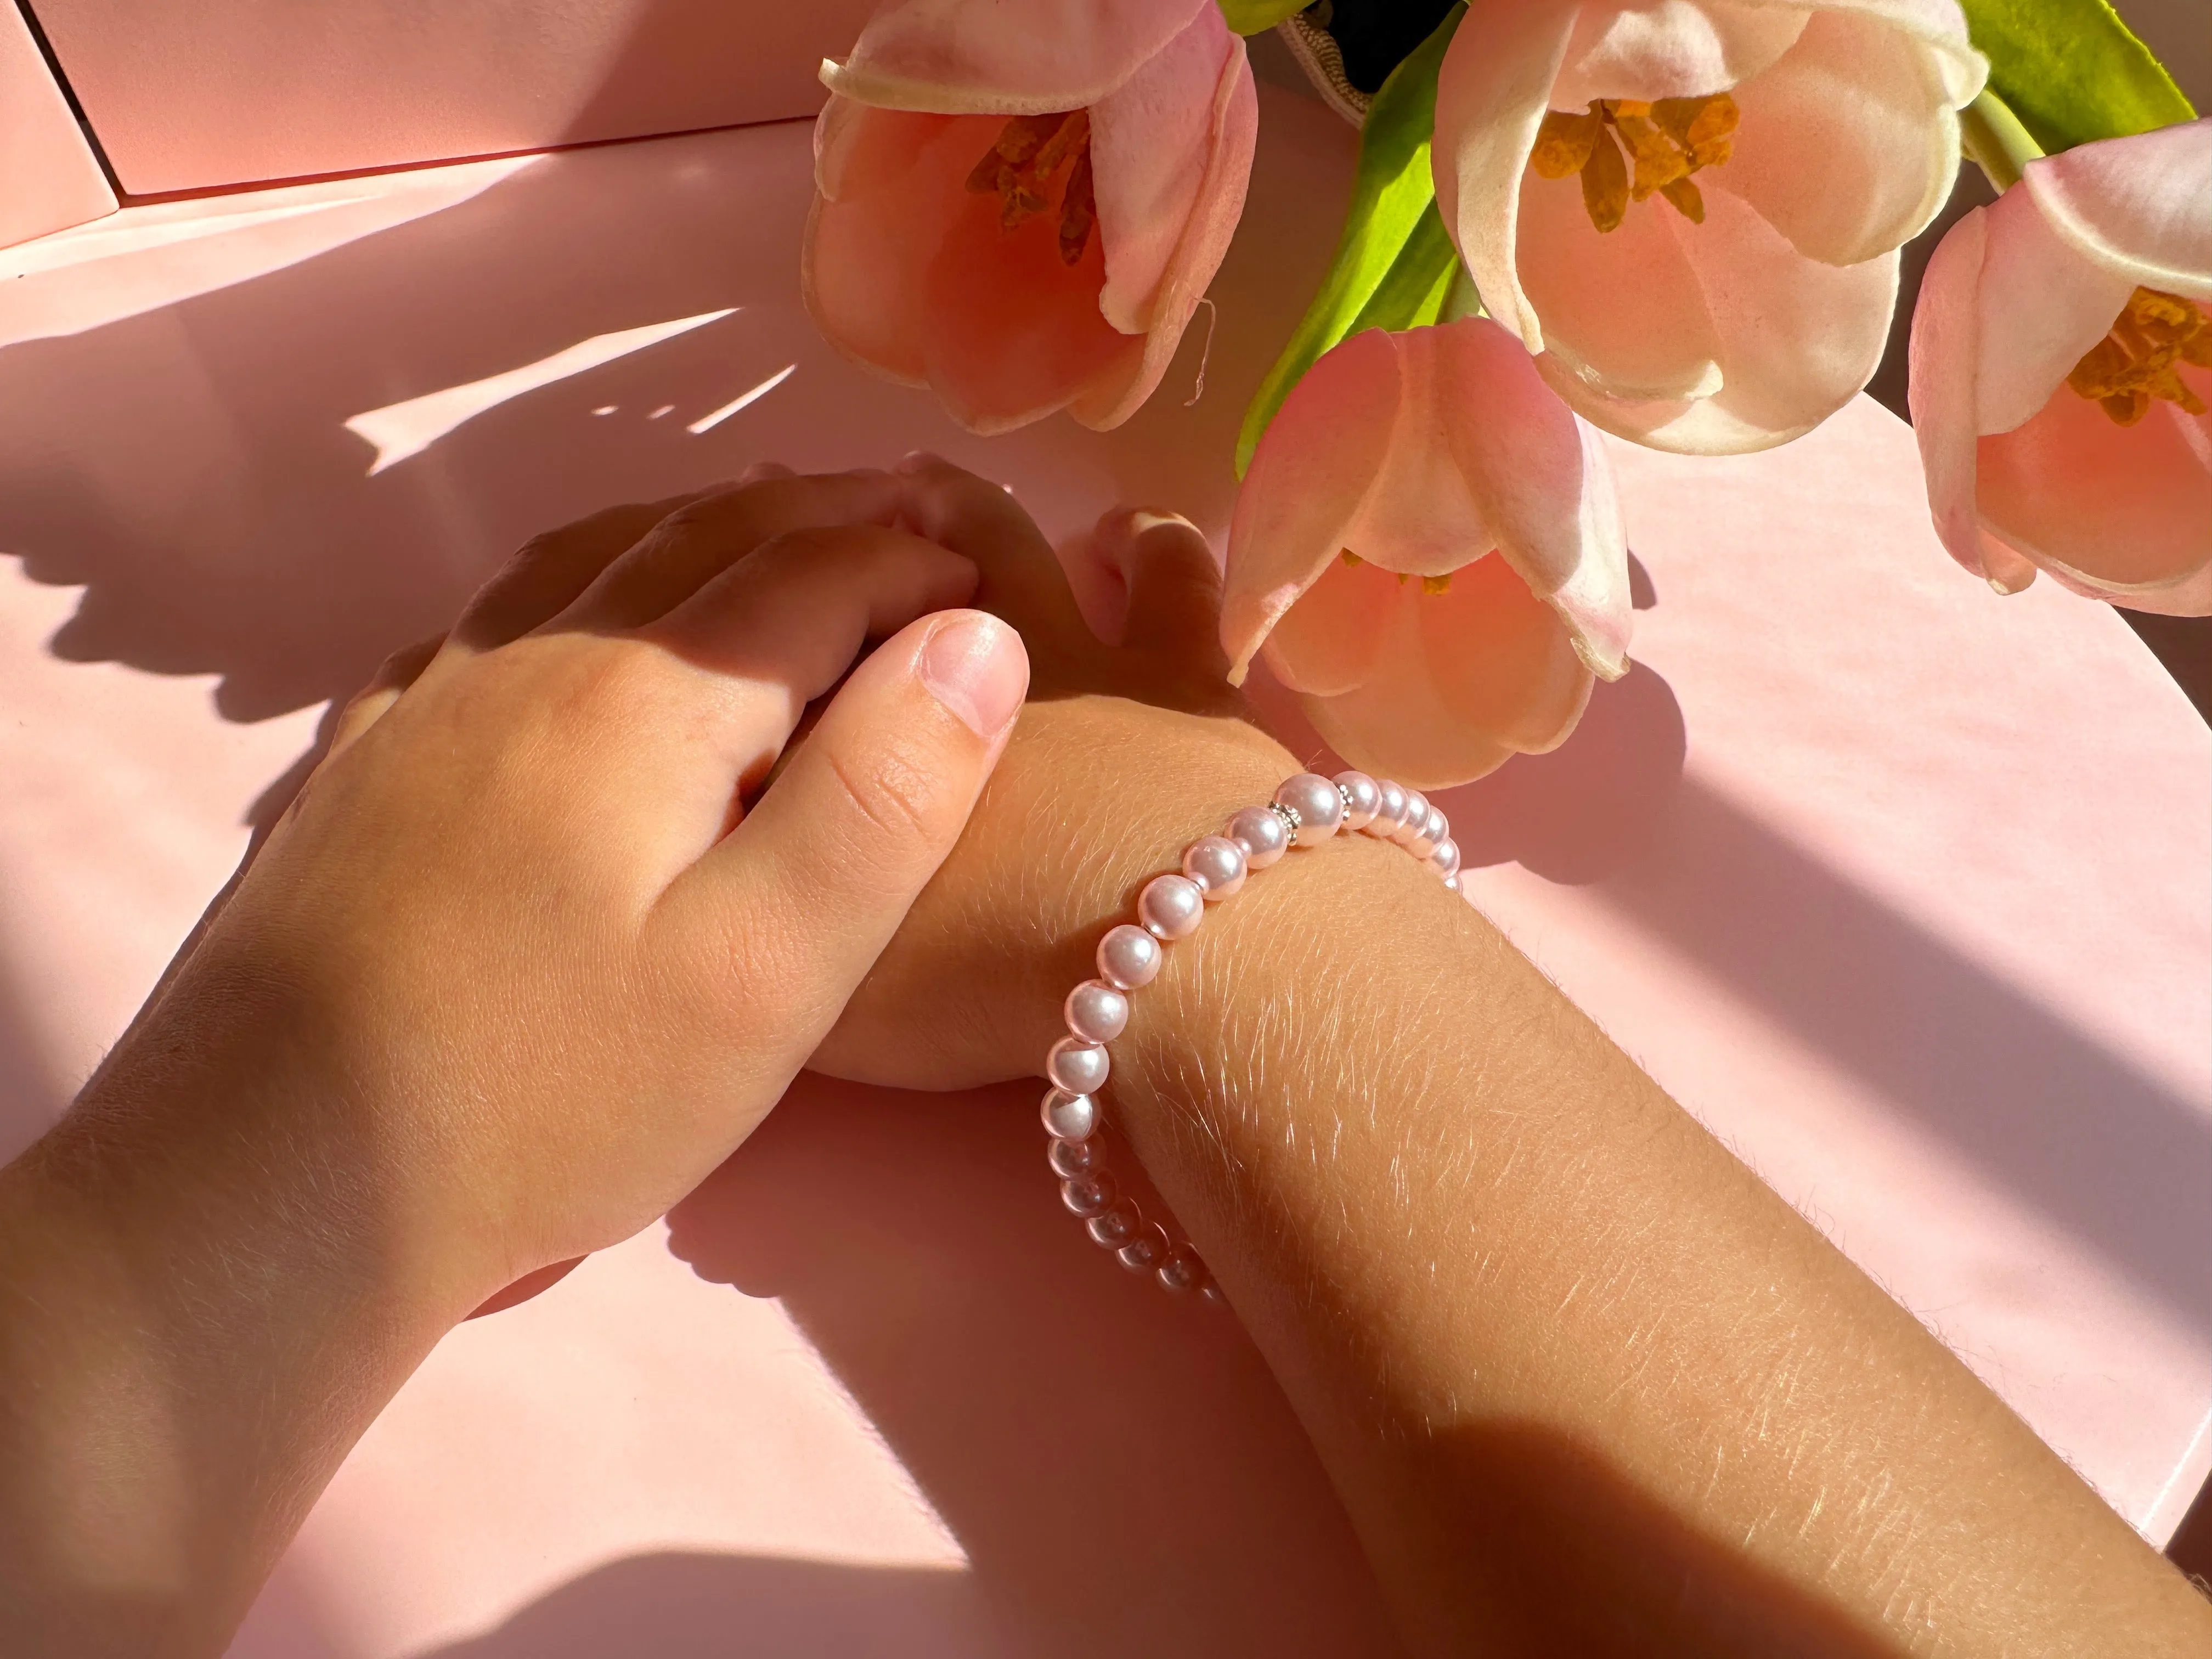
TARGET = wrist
x,y
191,1336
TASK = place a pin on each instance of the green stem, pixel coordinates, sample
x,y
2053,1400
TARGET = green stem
x,y
1993,139
1460,299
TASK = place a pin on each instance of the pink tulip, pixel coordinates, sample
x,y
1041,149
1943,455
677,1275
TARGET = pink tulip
x,y
1020,202
2061,364
1691,208
1427,549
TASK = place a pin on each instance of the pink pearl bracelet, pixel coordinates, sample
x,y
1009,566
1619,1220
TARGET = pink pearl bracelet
x,y
1307,810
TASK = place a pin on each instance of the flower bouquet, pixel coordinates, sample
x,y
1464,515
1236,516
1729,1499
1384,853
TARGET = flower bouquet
x,y
1676,221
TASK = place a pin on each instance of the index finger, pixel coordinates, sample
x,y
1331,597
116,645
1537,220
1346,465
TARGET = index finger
x,y
1020,578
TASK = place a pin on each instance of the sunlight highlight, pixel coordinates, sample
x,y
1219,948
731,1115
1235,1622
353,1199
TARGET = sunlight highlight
x,y
742,400
400,430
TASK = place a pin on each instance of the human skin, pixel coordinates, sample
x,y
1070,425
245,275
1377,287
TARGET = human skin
x,y
1585,1384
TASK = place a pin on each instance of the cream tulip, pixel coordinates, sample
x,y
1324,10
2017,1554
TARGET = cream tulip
x,y
1690,209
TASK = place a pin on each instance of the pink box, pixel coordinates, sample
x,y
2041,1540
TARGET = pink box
x,y
229,91
49,179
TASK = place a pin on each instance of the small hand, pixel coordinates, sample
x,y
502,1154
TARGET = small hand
x,y
1124,754
527,956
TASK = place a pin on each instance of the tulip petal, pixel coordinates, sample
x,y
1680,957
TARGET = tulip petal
x,y
1012,330
1406,734
2043,303
1503,660
2136,206
1149,141
1669,49
986,57
1418,518
1204,235
1329,641
1940,26
1847,146
1462,681
1312,469
1946,347
2119,511
1624,307
886,199
1797,339
1492,94
1541,482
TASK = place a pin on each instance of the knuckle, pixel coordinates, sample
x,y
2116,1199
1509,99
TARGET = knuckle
x,y
891,792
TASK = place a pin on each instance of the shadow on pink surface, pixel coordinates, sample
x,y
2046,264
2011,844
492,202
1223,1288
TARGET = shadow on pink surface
x,y
1117,1465
684,1605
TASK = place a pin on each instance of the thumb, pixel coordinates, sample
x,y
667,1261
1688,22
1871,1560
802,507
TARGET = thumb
x,y
800,900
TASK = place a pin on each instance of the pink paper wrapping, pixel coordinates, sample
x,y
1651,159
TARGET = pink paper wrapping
x,y
48,177
225,92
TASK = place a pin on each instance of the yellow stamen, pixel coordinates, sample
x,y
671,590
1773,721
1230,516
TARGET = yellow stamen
x,y
1564,143
1667,140
1605,184
1689,201
2138,359
1018,169
1435,585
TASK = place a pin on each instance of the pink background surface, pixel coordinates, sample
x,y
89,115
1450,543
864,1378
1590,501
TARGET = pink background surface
x,y
48,178
1905,889
220,91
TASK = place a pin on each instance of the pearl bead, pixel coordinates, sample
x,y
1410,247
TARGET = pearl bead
x,y
1089,1193
1073,1158
1096,1013
1451,884
1182,1270
1213,1293
1362,796
1147,1249
1069,1117
1261,833
1389,811
1116,1227
1445,859
1319,807
1440,825
1419,841
1128,957
1416,817
1171,907
1217,864
1076,1066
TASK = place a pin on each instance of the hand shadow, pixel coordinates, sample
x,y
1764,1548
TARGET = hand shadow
x,y
1119,1466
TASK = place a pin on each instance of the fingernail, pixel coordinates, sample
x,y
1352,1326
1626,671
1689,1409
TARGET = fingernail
x,y
976,666
914,459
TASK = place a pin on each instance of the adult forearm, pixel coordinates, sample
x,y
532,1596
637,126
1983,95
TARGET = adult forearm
x,y
1585,1383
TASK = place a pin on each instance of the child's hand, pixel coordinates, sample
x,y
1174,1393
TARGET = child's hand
x,y
1126,753
510,975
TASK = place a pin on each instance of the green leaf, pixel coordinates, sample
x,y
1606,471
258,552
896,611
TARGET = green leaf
x,y
1256,16
1394,262
2071,71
